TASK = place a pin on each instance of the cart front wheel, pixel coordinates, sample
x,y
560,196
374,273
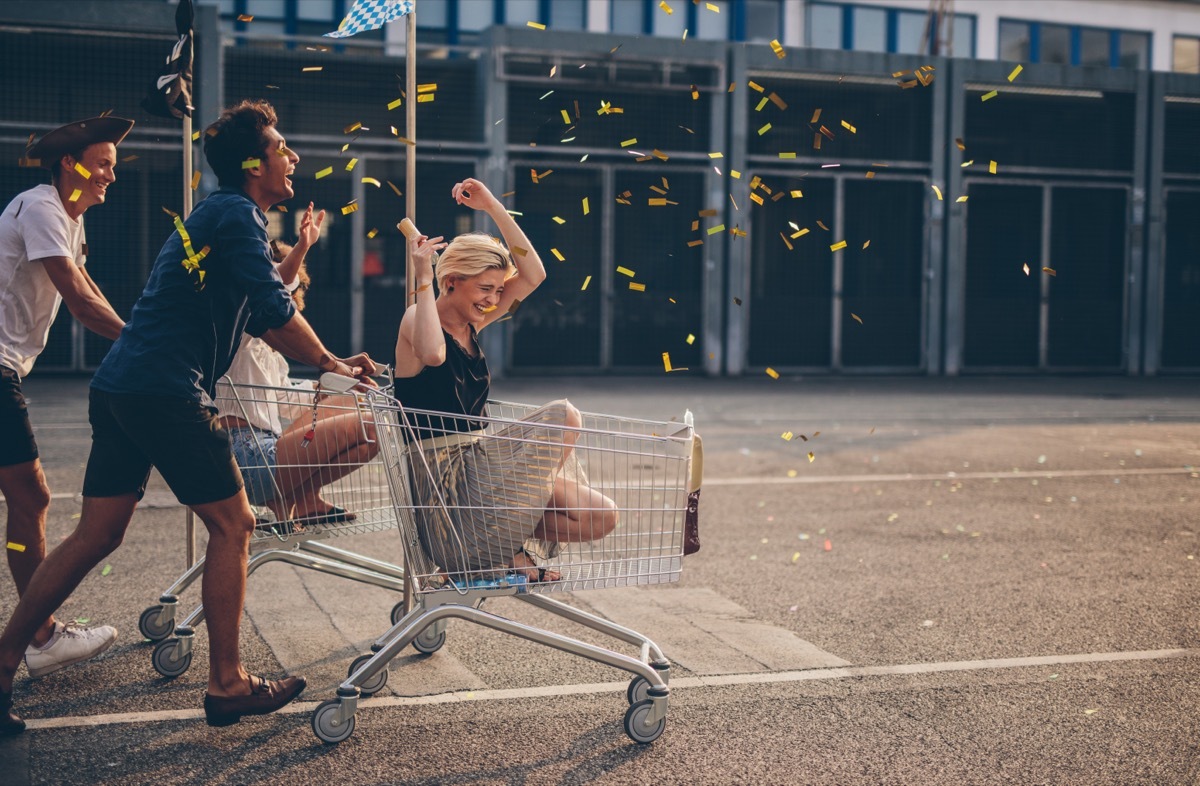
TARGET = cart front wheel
x,y
638,690
397,612
428,641
638,725
150,626
326,726
373,685
167,660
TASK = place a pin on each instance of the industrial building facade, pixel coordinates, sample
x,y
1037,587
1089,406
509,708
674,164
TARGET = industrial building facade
x,y
737,205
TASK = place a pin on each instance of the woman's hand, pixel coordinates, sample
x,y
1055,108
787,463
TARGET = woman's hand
x,y
310,228
475,195
423,250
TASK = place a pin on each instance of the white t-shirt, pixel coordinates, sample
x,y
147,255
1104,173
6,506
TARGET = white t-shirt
x,y
265,396
35,225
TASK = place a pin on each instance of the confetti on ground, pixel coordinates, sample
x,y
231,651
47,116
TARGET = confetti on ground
x,y
795,559
107,570
791,473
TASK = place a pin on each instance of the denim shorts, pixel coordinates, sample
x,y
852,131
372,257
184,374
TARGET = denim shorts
x,y
254,451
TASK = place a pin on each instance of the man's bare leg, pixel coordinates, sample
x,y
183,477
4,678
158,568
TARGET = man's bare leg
x,y
28,501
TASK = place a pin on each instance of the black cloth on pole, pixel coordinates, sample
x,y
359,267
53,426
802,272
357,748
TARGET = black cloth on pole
x,y
171,93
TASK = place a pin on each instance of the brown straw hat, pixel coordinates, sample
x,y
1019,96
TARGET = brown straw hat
x,y
76,136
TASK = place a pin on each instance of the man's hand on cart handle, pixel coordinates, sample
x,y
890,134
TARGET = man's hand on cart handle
x,y
360,367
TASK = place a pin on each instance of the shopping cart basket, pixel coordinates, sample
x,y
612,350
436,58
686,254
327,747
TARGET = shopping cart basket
x,y
460,544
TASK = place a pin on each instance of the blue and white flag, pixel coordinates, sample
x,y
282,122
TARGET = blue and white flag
x,y
371,15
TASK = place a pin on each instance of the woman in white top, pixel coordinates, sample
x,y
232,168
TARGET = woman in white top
x,y
285,460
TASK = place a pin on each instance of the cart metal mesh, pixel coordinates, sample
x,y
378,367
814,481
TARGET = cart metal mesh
x,y
285,478
471,494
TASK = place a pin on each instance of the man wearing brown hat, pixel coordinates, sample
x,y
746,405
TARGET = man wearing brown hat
x,y
43,249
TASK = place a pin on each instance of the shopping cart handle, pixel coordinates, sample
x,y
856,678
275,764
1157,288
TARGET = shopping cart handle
x,y
332,382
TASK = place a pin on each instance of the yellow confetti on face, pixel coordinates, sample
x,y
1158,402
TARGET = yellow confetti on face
x,y
586,281
989,96
83,171
838,246
489,309
772,373
251,163
1015,72
325,172
75,195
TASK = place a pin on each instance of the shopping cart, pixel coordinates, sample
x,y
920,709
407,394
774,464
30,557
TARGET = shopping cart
x,y
460,549
339,422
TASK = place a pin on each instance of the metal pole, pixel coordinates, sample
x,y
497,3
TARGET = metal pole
x,y
410,132
190,523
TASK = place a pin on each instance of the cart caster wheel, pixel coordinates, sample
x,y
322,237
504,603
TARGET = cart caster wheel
x,y
638,690
151,628
371,686
325,723
638,726
167,662
427,642
397,612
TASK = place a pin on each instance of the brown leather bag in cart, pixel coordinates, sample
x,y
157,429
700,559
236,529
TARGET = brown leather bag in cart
x,y
691,521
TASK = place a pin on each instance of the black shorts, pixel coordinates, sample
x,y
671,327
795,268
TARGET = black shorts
x,y
182,438
17,445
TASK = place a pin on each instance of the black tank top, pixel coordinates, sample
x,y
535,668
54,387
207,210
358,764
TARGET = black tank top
x,y
459,386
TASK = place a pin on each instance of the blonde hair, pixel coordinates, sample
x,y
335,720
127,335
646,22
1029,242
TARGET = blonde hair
x,y
471,254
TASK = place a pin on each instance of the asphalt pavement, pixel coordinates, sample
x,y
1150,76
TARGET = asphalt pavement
x,y
968,581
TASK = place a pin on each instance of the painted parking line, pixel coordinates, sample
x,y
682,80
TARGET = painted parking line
x,y
900,478
684,683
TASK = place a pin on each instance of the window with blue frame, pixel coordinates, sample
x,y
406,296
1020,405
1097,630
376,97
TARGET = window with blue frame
x,y
872,28
461,21
1043,42
721,20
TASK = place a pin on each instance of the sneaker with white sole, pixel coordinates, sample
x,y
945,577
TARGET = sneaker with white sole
x,y
69,645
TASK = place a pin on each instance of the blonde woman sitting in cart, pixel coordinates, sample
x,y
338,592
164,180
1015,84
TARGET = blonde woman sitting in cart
x,y
513,497
285,458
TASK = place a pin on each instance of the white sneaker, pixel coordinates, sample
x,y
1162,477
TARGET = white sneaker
x,y
70,644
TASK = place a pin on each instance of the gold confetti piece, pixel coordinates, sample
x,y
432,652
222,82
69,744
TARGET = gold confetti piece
x,y
350,164
107,570
811,459
195,180
586,209
558,220
536,25
684,38
245,18
816,116
735,173
821,224
1050,270
796,556
170,212
756,199
394,187
966,164
35,163
838,246
761,104
566,117
777,48
800,233
764,129
196,134
372,233
667,362
961,145
519,251
425,98
787,436
791,473
625,271
937,191
663,5
75,195
586,281
1025,267
18,547
694,243
691,339
708,213
83,171
772,373
865,245
849,127
870,175
989,96
313,68
1090,712
1015,72
898,74
716,9
283,152
787,155
636,287
777,101
658,202
350,129
826,132
323,173
992,167
393,104
716,229
372,181
856,317
558,255
961,199
629,142
350,208
554,68
796,194
755,85
660,155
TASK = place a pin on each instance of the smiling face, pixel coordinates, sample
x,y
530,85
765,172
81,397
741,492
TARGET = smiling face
x,y
476,297
276,168
100,160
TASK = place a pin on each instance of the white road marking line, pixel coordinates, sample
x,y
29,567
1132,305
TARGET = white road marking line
x,y
553,691
1062,473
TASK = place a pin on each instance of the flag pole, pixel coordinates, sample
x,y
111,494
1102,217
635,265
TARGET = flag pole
x,y
190,526
410,133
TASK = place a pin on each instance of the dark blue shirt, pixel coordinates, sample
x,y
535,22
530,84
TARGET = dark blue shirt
x,y
180,340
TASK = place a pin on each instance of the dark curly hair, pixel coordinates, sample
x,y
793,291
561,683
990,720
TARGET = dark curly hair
x,y
237,136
